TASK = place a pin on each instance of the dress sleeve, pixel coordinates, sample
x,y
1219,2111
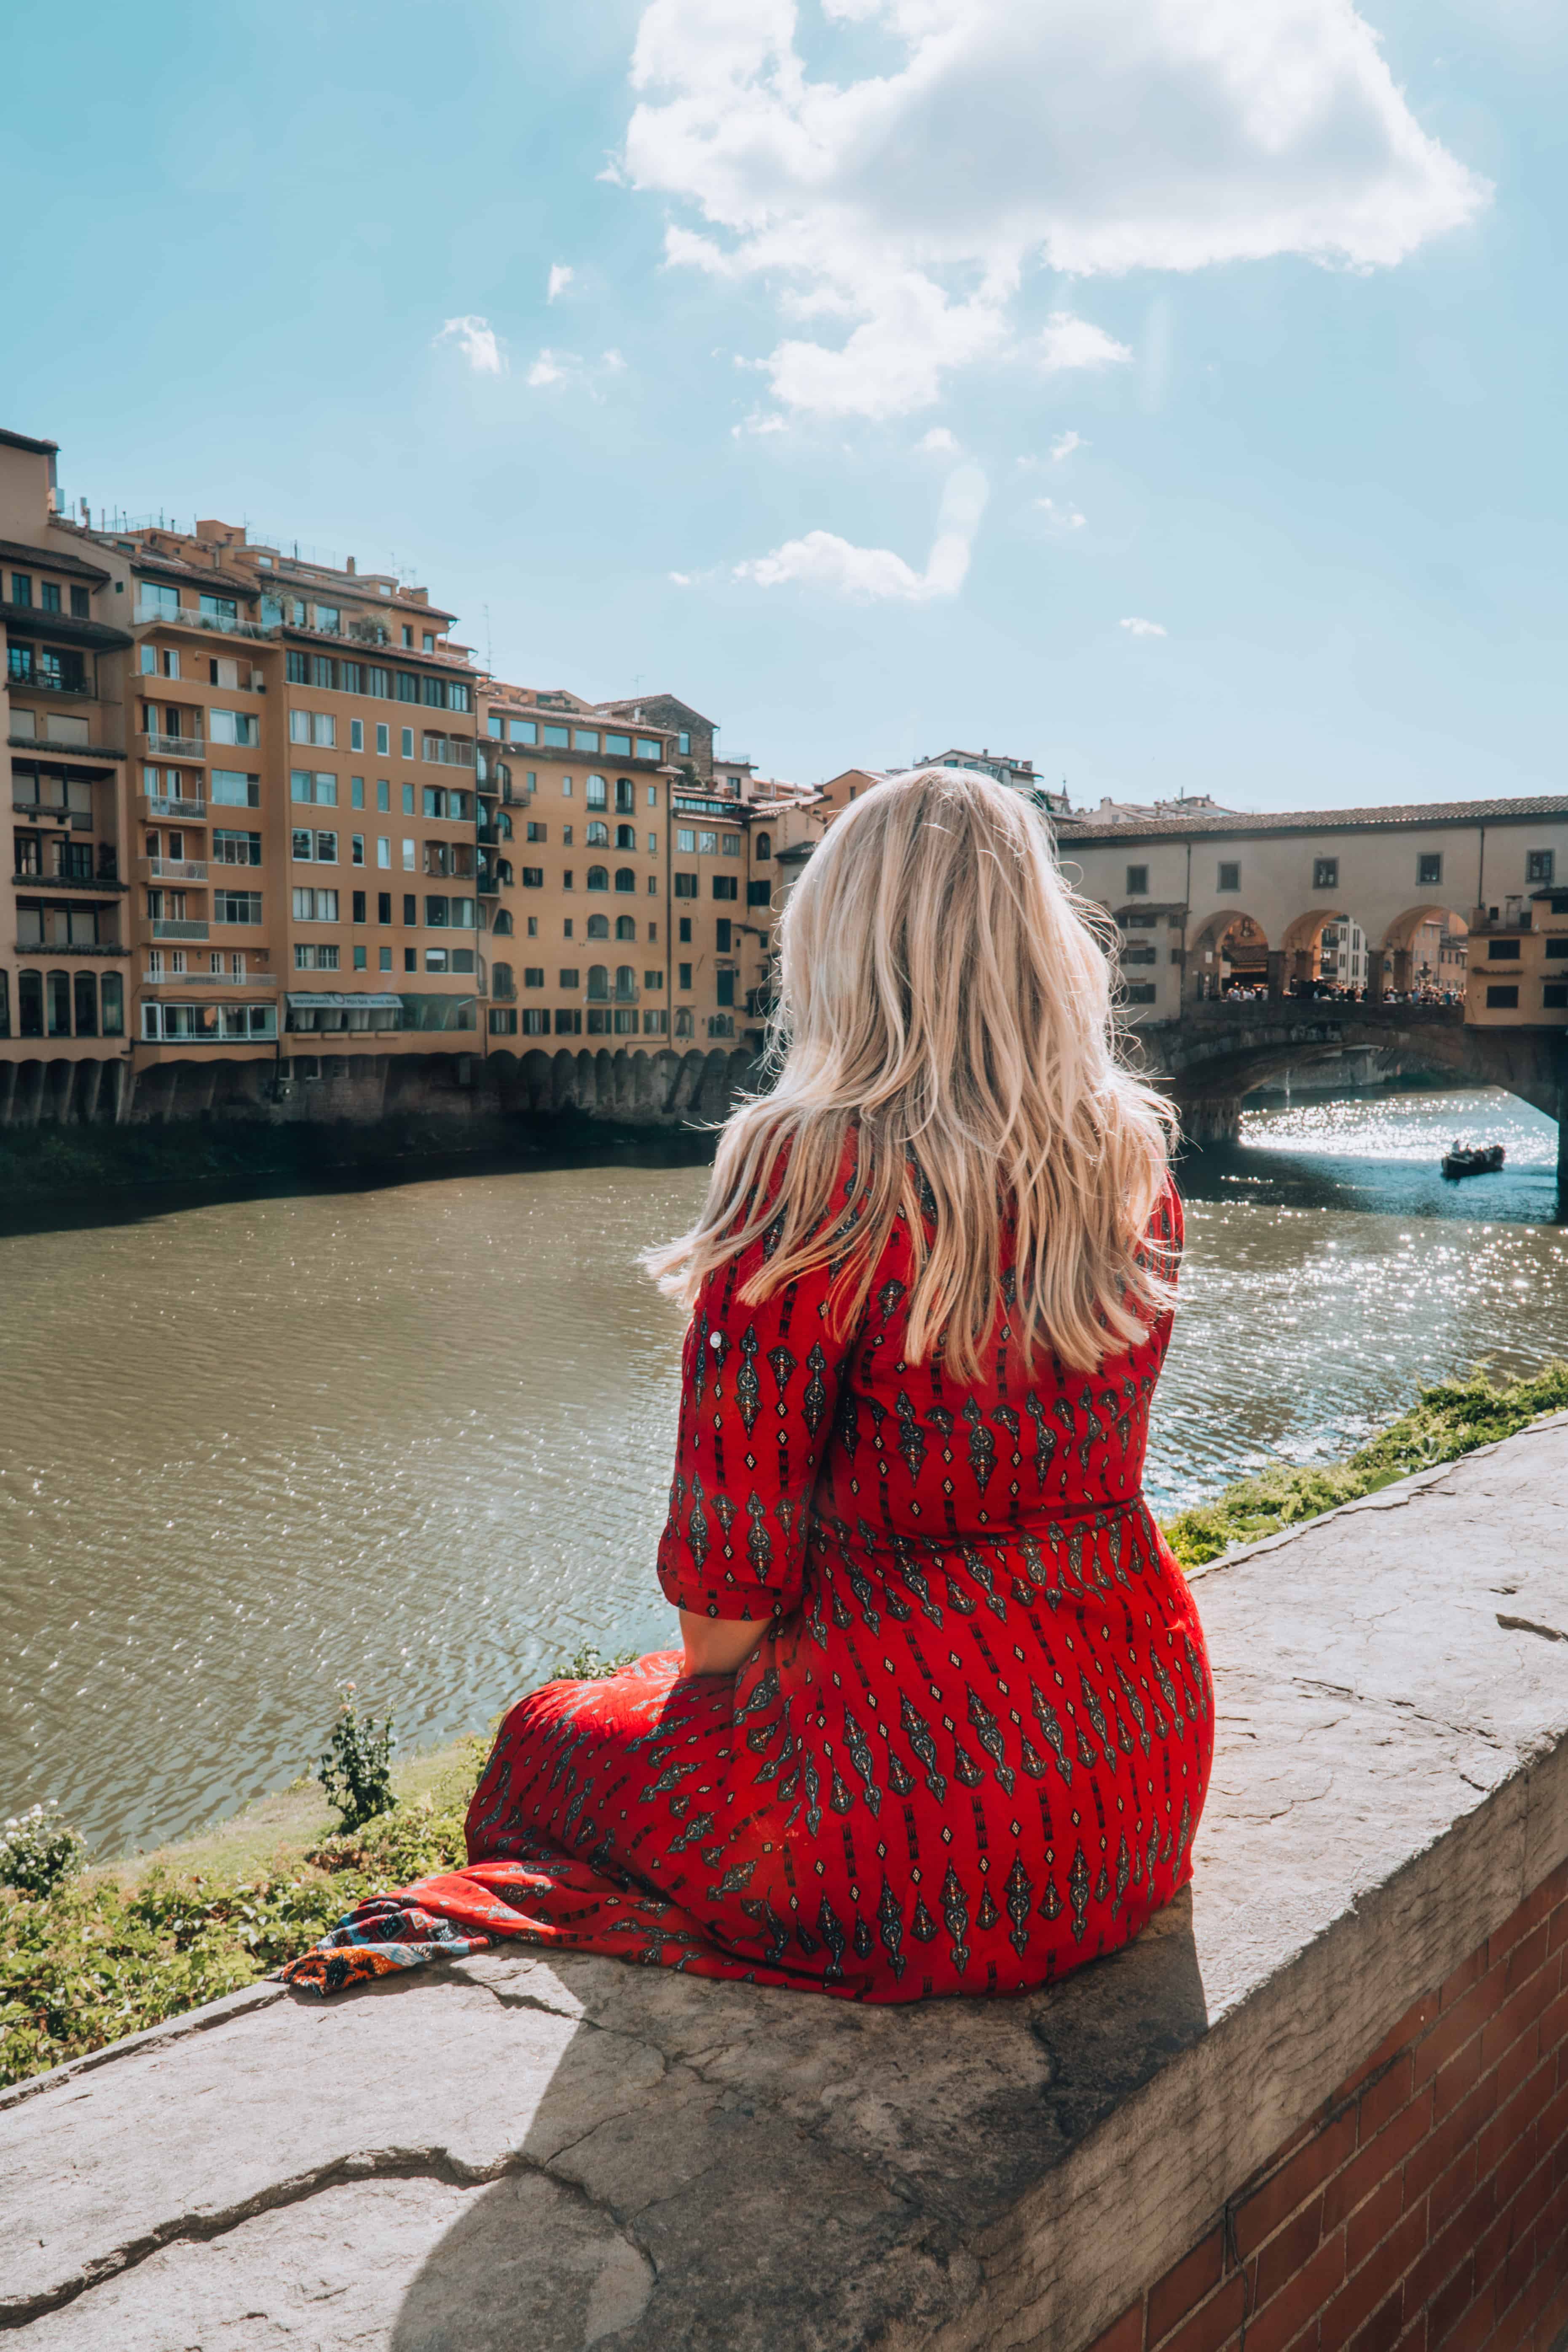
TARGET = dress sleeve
x,y
760,1386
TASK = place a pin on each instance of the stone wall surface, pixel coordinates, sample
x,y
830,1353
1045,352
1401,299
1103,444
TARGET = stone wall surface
x,y
516,2153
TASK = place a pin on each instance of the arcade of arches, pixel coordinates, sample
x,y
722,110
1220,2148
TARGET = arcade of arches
x,y
1325,951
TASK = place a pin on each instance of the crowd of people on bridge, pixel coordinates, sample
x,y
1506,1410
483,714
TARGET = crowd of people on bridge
x,y
1256,991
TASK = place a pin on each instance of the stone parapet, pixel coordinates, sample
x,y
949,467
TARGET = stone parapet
x,y
543,2155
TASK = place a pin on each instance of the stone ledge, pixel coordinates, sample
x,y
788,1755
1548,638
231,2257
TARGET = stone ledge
x,y
517,2152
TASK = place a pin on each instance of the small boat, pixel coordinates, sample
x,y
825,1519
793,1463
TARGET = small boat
x,y
1472,1159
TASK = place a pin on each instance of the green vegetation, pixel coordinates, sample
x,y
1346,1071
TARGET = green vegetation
x,y
355,1766
85,1957
1443,1424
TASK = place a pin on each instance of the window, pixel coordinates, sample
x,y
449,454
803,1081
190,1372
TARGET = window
x,y
686,841
571,977
315,959
357,734
307,786
1229,874
597,793
238,726
231,849
625,927
533,877
1428,870
568,1021
407,634
85,991
584,739
683,744
649,748
113,995
81,608
1502,1000
533,975
410,959
1539,865
625,879
726,980
357,846
763,847
557,739
503,1021
731,844
1557,947
1502,951
315,906
1325,873
625,795
565,787
598,982
598,877
409,752
522,730
361,959
501,926
383,906
1555,996
686,930
686,886
721,935
408,800
435,913
383,850
598,927
22,588
229,789
597,835
360,904
626,836
383,959
410,909
683,977
1141,992
708,844
725,886
759,894
1137,881
383,744
408,856
50,597
427,642
236,905
537,831
683,1020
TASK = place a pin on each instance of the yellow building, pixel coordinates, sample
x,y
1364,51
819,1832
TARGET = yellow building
x,y
1518,973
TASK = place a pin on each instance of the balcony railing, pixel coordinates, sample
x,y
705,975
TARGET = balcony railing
x,y
36,682
105,885
177,869
188,616
172,805
171,927
156,979
175,747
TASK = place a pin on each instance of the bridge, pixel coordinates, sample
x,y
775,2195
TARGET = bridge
x,y
1213,1054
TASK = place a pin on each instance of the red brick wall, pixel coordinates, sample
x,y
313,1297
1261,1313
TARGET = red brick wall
x,y
1425,2204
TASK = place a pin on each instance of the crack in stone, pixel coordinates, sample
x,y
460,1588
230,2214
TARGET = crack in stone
x,y
1529,1625
436,2164
1407,1706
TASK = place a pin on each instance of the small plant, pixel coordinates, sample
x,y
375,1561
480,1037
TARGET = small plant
x,y
592,1665
37,1852
355,1766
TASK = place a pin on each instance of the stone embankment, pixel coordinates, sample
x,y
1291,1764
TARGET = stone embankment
x,y
1326,2093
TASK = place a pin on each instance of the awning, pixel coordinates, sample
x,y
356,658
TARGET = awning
x,y
360,1000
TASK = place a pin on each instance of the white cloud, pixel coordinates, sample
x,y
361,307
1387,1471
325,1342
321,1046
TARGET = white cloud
x,y
554,369
940,442
561,277
1140,628
476,339
875,574
907,208
1065,445
1062,519
681,579
760,421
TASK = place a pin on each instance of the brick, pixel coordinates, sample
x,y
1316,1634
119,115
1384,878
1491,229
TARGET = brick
x,y
1447,2306
1515,2166
1361,2295
1376,2161
1382,2098
1493,2246
1417,2019
1513,2060
1457,1982
1446,2253
1459,2078
1278,2196
1554,2022
1517,2117
1557,1929
1370,2222
1290,2250
1520,2011
1125,2335
1383,2329
1507,1933
1528,1954
1457,2025
1546,1897
1473,2325
1214,2324
1281,2321
1435,2153
1455,2188
1185,2284
1414,2336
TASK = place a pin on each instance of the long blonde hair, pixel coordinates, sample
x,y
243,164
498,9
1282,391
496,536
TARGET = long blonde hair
x,y
945,1003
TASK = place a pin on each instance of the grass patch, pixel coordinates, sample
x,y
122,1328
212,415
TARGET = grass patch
x,y
119,1948
1444,1423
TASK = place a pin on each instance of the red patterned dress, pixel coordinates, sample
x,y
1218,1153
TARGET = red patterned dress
x,y
972,1748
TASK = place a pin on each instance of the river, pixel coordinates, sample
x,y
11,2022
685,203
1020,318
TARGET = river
x,y
418,1435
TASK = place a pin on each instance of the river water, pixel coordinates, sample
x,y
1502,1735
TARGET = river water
x,y
419,1436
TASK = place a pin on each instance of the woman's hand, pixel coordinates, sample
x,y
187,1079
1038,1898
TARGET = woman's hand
x,y
718,1645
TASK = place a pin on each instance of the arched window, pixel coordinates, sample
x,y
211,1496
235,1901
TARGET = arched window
x,y
502,985
598,879
503,871
598,927
626,836
113,1005
683,1020
501,927
58,990
503,825
29,1003
764,847
625,927
626,795
626,984
598,984
598,797
86,993
625,879
598,835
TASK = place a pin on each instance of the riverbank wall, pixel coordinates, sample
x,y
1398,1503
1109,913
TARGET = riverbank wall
x,y
82,1125
1324,2100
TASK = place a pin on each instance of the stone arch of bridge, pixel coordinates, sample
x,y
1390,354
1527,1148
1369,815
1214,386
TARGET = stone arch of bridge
x,y
1214,942
1303,944
1399,941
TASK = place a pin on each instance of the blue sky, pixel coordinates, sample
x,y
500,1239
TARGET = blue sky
x,y
1287,298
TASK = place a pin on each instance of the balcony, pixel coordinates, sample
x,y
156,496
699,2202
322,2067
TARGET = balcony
x,y
173,747
489,885
177,869
171,927
102,886
154,978
170,804
226,625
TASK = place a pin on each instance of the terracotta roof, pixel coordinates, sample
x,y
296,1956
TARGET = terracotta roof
x,y
15,551
208,576
1081,831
